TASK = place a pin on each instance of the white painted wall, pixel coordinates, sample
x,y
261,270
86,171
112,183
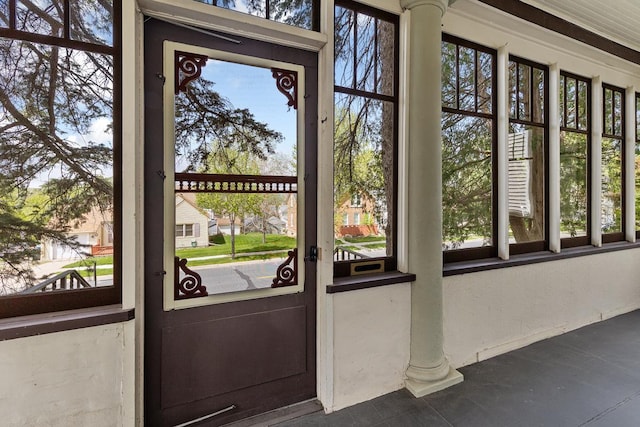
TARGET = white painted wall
x,y
189,214
67,379
492,312
370,343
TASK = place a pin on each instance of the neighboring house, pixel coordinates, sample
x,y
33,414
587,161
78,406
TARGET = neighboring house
x,y
292,215
192,223
355,217
94,234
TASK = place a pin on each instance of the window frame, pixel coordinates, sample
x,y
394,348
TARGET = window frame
x,y
616,236
490,251
571,242
389,263
48,302
539,245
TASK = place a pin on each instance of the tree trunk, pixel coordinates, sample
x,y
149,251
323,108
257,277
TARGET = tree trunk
x,y
232,227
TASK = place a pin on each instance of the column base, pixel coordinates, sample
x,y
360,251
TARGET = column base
x,y
423,388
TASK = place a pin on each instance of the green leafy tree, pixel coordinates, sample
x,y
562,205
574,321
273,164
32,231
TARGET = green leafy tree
x,y
364,139
233,206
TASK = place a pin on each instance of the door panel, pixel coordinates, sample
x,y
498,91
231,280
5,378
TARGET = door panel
x,y
262,358
237,338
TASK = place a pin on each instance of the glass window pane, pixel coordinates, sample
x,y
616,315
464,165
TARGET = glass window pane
x,y
637,175
449,75
230,121
4,14
56,157
92,21
524,92
617,113
467,76
385,57
572,99
364,172
513,87
583,104
538,95
611,212
608,112
466,181
526,183
573,184
485,86
344,47
298,13
563,102
637,118
41,17
365,54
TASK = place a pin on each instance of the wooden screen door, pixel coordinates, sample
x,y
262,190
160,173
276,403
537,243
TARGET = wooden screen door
x,y
230,204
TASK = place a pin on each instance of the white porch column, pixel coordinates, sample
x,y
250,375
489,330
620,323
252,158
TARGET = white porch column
x,y
429,370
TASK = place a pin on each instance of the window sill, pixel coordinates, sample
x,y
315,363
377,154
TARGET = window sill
x,y
353,283
38,324
465,267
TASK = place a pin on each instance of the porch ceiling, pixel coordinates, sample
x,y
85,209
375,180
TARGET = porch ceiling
x,y
617,21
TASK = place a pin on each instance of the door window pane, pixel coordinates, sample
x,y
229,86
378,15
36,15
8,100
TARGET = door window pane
x,y
236,143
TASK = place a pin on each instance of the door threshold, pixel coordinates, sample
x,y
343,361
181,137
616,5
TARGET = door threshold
x,y
279,415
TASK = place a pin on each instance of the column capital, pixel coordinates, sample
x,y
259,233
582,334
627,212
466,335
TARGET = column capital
x,y
411,4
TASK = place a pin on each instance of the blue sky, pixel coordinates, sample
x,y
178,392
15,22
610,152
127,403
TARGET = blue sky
x,y
254,88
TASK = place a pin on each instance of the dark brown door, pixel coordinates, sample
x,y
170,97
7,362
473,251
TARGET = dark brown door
x,y
230,203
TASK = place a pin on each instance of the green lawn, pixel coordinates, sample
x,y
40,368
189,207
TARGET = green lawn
x,y
364,239
101,272
240,258
100,260
251,242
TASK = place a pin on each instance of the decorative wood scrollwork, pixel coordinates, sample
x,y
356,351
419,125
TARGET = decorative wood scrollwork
x,y
188,68
191,285
287,84
218,183
287,273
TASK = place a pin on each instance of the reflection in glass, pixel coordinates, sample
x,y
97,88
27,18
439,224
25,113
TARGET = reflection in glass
x,y
364,50
56,157
41,17
611,210
637,161
91,21
363,175
466,181
234,132
449,76
573,184
298,13
526,183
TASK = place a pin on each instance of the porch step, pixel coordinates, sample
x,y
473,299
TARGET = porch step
x,y
279,415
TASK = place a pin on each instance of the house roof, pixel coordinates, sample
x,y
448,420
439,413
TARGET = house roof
x,y
92,221
190,198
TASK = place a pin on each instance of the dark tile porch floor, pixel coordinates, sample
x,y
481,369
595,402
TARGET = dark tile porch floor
x,y
588,377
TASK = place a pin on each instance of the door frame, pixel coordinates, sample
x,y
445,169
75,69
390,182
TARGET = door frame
x,y
153,203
